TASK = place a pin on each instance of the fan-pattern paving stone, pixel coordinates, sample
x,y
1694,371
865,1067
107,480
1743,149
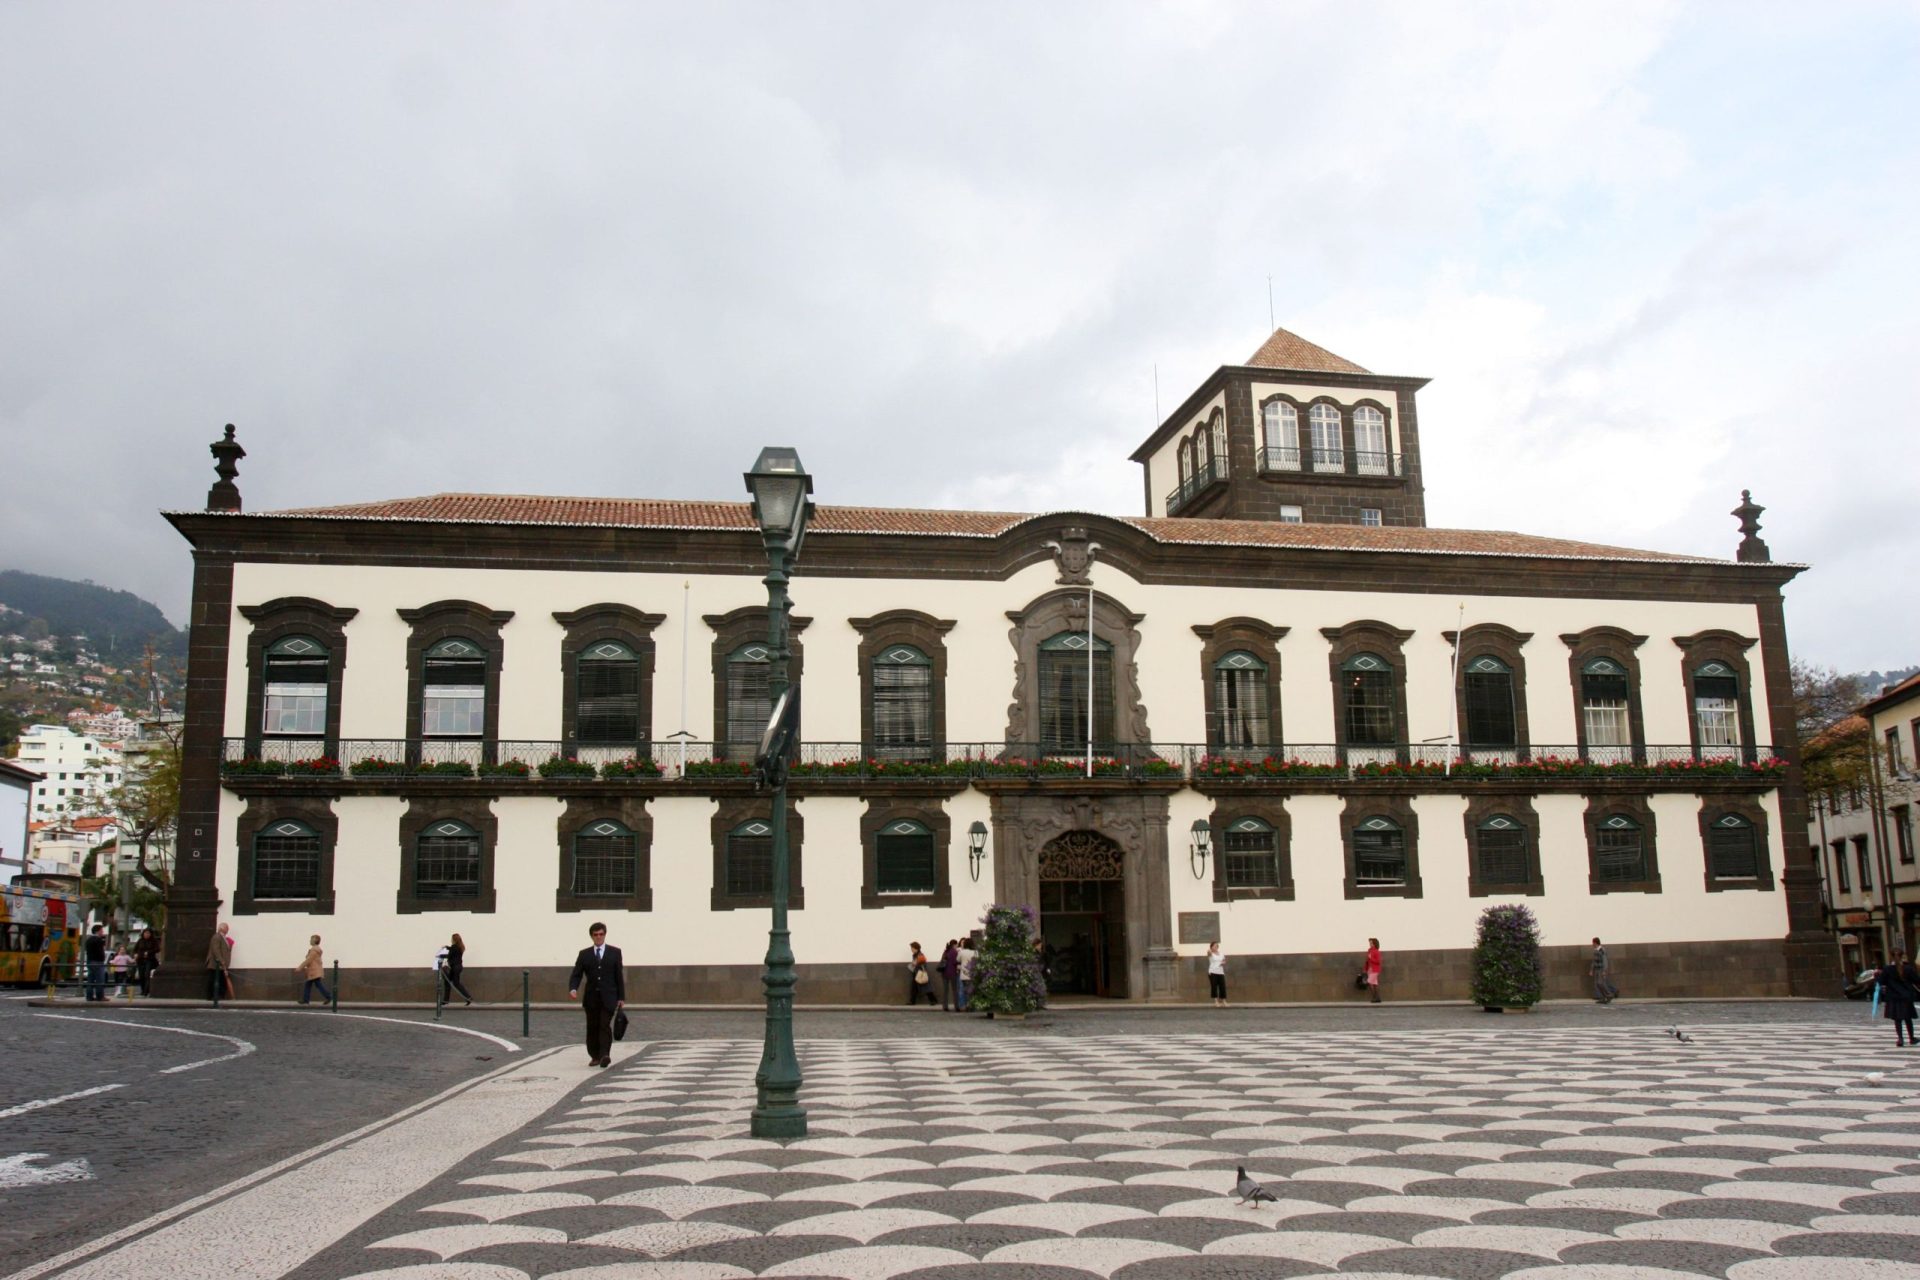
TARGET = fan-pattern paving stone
x,y
1754,1153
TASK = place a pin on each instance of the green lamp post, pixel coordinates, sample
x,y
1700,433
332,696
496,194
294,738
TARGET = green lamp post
x,y
779,485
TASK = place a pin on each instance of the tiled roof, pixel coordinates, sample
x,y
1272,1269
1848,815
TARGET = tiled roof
x,y
642,513
1892,695
1286,350
650,513
1350,537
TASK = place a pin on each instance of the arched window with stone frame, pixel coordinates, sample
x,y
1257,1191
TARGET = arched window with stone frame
x,y
606,682
1371,456
286,862
1489,724
1367,707
1240,720
1720,702
296,660
749,700
1503,846
1252,853
1381,835
1733,838
446,862
1329,450
605,855
1605,670
1280,436
296,690
1217,448
1621,849
453,681
902,704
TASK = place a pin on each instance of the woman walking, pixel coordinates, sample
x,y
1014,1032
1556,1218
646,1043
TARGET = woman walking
x,y
1373,970
310,969
918,977
146,958
452,967
1216,975
1899,985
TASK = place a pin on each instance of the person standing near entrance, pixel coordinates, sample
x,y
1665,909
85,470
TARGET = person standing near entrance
x,y
219,960
600,984
1602,970
1899,984
967,957
146,958
1372,970
949,975
1216,975
918,979
97,963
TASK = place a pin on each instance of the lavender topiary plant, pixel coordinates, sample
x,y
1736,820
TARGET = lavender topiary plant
x,y
1506,959
1006,973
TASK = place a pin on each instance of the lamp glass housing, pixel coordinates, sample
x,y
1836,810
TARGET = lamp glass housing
x,y
779,485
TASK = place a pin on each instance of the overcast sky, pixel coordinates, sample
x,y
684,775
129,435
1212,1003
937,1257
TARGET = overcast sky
x,y
1650,255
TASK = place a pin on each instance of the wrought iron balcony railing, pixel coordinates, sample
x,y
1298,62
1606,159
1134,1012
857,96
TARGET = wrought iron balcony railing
x,y
1212,472
1330,461
677,759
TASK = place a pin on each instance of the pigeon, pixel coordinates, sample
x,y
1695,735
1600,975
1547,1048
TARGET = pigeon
x,y
1873,1078
1250,1191
1679,1035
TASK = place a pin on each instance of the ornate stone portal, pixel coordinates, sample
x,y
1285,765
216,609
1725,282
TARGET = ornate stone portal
x,y
1114,835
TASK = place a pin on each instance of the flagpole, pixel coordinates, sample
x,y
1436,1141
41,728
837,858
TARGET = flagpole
x,y
1091,549
1453,713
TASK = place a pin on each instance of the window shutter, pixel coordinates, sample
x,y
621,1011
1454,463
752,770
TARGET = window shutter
x,y
1619,851
286,861
902,704
904,858
447,862
1502,851
1252,859
605,861
607,701
1369,701
749,702
750,860
1379,853
1488,692
1732,850
1063,693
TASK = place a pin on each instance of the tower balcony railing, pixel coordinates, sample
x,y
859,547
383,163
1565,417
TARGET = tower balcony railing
x,y
1365,462
1213,471
681,759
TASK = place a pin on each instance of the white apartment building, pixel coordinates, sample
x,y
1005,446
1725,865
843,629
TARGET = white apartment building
x,y
76,770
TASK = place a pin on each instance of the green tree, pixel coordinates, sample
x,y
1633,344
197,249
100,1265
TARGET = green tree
x,y
146,803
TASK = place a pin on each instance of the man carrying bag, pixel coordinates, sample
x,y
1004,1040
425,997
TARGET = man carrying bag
x,y
600,984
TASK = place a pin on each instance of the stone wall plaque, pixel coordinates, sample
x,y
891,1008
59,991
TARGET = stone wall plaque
x,y
1199,926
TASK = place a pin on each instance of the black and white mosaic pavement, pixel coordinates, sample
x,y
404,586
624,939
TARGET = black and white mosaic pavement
x,y
1763,1152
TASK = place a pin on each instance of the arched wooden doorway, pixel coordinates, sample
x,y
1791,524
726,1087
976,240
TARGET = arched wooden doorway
x,y
1083,913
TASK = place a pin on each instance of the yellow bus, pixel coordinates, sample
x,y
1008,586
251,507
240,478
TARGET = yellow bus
x,y
39,934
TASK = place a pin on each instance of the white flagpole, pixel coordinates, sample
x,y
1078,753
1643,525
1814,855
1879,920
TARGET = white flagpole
x,y
1453,691
1090,551
686,625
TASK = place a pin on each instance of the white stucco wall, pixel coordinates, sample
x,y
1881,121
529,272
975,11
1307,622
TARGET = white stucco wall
x,y
526,931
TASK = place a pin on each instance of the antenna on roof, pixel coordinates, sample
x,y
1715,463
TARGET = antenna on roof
x,y
1272,324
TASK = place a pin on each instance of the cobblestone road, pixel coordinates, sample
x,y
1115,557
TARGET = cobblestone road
x,y
1577,1144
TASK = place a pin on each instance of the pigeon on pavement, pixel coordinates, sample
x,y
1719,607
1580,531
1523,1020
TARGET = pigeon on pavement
x,y
1250,1191
1679,1035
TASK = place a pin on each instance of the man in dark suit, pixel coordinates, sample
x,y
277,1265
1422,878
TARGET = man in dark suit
x,y
597,972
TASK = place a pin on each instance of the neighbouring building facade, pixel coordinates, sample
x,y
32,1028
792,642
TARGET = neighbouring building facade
x,y
16,793
1863,837
76,770
1277,710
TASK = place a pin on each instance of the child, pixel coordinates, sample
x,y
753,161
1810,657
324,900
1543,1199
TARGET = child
x,y
120,964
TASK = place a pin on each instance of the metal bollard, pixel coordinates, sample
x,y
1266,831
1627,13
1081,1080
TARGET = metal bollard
x,y
439,993
219,981
526,1007
333,1005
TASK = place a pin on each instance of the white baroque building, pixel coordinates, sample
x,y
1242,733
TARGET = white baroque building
x,y
76,770
1313,720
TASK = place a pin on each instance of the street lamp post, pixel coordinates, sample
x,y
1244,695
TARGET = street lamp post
x,y
780,486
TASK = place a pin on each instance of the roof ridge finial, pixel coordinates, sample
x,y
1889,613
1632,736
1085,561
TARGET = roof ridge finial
x,y
225,494
1752,550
